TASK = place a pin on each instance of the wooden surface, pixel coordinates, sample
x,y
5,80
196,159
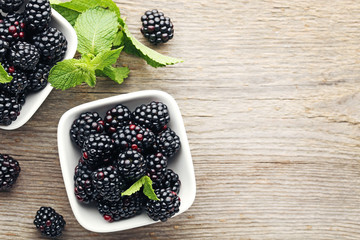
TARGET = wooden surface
x,y
269,93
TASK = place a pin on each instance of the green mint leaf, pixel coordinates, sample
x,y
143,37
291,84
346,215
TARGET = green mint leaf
x,y
69,14
70,73
118,39
54,1
153,58
135,187
106,58
96,29
4,76
83,5
148,189
116,74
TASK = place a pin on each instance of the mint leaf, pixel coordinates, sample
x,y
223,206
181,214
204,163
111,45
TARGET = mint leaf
x,y
68,14
70,73
118,39
83,5
143,181
96,29
106,58
54,1
116,74
4,76
153,58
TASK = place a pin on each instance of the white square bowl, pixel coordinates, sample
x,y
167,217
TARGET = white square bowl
x,y
69,154
34,100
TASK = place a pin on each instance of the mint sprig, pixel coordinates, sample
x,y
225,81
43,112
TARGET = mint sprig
x,y
147,190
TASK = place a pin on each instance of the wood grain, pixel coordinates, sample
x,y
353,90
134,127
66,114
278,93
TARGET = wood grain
x,y
269,92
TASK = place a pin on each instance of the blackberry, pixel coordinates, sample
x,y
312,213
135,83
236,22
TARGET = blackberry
x,y
156,165
18,84
134,137
126,207
4,47
12,27
22,99
83,187
154,116
49,222
131,165
9,171
86,124
38,78
97,149
165,208
51,43
9,6
116,118
108,183
156,27
24,56
168,143
37,15
170,181
9,109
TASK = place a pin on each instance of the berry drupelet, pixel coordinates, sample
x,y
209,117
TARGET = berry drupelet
x,y
156,167
117,118
165,208
154,116
131,165
156,28
86,124
9,109
37,15
97,150
49,222
9,171
168,142
83,187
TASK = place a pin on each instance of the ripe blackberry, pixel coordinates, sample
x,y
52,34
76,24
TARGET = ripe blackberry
x,y
83,187
156,27
38,78
131,165
97,149
49,222
126,207
10,6
156,165
165,208
4,47
154,116
18,84
116,118
86,124
134,137
24,56
22,99
108,183
9,171
12,27
170,181
37,15
168,143
51,43
9,109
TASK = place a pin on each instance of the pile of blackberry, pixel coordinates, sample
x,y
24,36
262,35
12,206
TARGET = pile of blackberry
x,y
29,48
119,149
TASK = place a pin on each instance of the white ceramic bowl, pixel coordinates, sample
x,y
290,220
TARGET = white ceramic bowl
x,y
69,155
34,100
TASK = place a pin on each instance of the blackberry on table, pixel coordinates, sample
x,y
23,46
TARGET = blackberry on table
x,y
37,15
126,207
165,208
9,109
97,149
131,165
116,118
9,171
154,116
12,27
134,137
87,123
51,43
49,222
83,186
38,78
156,28
9,6
170,181
4,47
168,142
156,165
108,183
24,56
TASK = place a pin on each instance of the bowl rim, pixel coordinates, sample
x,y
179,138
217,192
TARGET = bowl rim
x,y
61,137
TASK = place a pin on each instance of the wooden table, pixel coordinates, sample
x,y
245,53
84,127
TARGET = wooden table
x,y
269,93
